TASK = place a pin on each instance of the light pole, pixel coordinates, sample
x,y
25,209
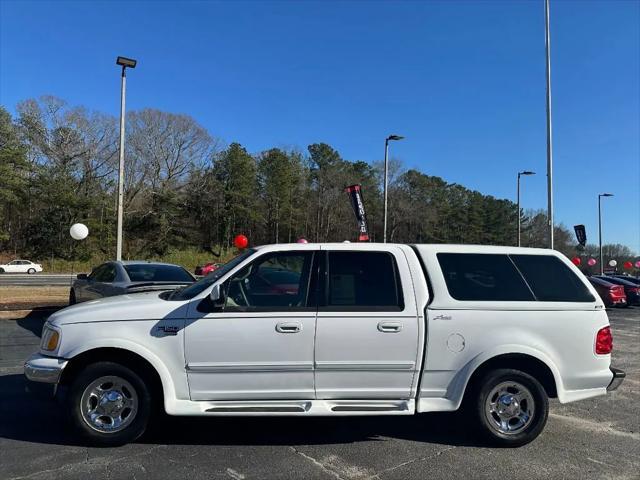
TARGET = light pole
x,y
526,172
547,42
124,63
600,226
386,179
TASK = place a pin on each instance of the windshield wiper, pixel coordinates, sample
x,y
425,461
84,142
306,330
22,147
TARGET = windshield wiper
x,y
175,292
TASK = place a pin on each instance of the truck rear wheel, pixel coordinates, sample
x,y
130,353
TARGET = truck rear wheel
x,y
109,404
511,407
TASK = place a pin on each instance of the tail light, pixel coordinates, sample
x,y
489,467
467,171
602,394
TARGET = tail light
x,y
617,291
604,341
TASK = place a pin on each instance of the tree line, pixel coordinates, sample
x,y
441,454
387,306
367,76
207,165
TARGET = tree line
x,y
185,188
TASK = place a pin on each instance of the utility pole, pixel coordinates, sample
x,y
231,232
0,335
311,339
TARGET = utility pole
x,y
386,179
124,62
549,136
526,172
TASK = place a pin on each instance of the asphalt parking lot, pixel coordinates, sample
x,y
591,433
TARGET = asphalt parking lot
x,y
597,438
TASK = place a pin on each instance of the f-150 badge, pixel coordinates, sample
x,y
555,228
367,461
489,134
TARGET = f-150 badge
x,y
168,329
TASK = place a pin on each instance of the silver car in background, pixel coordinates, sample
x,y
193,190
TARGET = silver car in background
x,y
117,278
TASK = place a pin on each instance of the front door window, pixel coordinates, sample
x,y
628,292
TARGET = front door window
x,y
275,282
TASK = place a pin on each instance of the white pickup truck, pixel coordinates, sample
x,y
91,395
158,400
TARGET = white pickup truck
x,y
338,329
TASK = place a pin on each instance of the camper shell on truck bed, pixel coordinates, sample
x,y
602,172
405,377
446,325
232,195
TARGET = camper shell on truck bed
x,y
339,329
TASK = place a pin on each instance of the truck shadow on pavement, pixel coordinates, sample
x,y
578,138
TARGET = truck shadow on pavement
x,y
36,318
28,418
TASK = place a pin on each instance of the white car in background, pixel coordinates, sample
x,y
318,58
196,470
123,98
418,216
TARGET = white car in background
x,y
21,266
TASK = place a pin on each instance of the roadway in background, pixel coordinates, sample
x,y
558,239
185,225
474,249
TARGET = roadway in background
x,y
36,280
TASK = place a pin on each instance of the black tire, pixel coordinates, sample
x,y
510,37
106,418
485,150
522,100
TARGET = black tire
x,y
72,297
31,271
1,270
136,425
479,406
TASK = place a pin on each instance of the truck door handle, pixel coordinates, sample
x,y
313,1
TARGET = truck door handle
x,y
390,327
288,327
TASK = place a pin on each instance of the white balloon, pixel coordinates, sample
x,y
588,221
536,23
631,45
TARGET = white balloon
x,y
613,263
78,231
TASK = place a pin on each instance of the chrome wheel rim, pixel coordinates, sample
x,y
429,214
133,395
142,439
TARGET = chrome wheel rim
x,y
509,408
109,404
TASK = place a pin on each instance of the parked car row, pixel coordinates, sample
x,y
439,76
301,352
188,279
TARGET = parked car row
x,y
617,290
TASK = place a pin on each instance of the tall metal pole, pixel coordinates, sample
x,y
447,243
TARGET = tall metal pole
x,y
121,166
549,139
386,182
600,232
518,208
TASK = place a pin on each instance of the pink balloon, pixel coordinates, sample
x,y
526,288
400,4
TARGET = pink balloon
x,y
302,240
591,262
638,264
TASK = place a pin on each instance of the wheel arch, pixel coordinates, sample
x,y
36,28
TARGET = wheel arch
x,y
524,362
128,358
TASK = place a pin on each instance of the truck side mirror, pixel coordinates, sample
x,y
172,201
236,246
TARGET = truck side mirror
x,y
217,296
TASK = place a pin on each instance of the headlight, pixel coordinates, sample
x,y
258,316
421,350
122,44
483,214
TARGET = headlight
x,y
50,339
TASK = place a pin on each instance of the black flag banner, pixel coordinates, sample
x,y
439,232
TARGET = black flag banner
x,y
581,234
355,194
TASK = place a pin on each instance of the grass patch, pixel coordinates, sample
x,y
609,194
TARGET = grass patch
x,y
18,297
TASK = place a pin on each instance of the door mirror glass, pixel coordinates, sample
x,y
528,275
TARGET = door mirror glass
x,y
216,295
82,276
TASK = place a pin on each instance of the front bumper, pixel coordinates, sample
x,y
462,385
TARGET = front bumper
x,y
618,377
41,369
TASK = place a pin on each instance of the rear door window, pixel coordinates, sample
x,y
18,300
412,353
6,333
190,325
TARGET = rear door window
x,y
551,279
483,277
363,281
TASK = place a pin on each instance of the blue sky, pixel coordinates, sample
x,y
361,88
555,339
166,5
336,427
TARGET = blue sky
x,y
462,80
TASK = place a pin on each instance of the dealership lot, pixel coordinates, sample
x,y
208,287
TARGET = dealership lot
x,y
597,438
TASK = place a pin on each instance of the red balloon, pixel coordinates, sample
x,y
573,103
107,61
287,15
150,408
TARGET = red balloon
x,y
576,261
628,265
241,241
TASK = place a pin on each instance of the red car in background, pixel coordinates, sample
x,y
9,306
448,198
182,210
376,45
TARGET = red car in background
x,y
612,295
207,268
631,289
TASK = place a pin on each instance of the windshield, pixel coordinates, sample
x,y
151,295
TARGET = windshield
x,y
201,285
150,272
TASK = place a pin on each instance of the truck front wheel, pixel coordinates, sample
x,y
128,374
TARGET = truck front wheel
x,y
511,407
109,404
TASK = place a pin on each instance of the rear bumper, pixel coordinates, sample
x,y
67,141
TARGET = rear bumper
x,y
618,377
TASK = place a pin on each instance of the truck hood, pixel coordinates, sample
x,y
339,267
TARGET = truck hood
x,y
135,306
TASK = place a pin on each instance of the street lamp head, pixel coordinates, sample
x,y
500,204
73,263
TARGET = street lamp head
x,y
606,195
395,137
527,172
126,62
